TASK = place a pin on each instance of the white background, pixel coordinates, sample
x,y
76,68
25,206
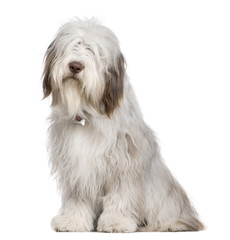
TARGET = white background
x,y
178,56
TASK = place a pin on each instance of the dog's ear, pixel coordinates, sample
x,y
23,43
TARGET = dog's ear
x,y
114,85
49,58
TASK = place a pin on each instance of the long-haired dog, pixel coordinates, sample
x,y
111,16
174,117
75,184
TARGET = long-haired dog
x,y
105,158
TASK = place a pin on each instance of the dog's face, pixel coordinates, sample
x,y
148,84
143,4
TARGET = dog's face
x,y
84,67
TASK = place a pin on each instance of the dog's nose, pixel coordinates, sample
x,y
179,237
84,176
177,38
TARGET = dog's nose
x,y
75,67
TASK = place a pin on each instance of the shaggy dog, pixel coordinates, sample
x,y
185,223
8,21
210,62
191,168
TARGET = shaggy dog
x,y
105,158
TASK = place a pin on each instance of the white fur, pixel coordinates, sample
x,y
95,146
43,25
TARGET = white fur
x,y
110,171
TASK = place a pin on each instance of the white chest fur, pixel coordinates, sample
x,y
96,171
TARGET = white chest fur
x,y
78,155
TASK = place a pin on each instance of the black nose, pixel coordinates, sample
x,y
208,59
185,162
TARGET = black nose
x,y
75,67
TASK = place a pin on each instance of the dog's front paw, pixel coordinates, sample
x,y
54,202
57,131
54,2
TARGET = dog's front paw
x,y
116,223
64,223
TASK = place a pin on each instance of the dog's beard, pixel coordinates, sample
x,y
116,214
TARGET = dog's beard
x,y
72,97
81,94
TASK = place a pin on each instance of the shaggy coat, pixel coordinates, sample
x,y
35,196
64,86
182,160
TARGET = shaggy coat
x,y
105,158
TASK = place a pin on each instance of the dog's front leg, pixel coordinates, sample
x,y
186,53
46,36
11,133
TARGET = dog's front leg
x,y
75,215
120,207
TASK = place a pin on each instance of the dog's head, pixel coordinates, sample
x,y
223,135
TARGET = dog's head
x,y
84,67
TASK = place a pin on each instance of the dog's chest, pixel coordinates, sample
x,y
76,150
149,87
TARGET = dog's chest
x,y
84,151
86,143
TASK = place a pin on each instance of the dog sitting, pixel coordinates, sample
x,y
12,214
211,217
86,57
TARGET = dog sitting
x,y
105,158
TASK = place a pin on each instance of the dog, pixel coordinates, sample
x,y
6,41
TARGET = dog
x,y
106,160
